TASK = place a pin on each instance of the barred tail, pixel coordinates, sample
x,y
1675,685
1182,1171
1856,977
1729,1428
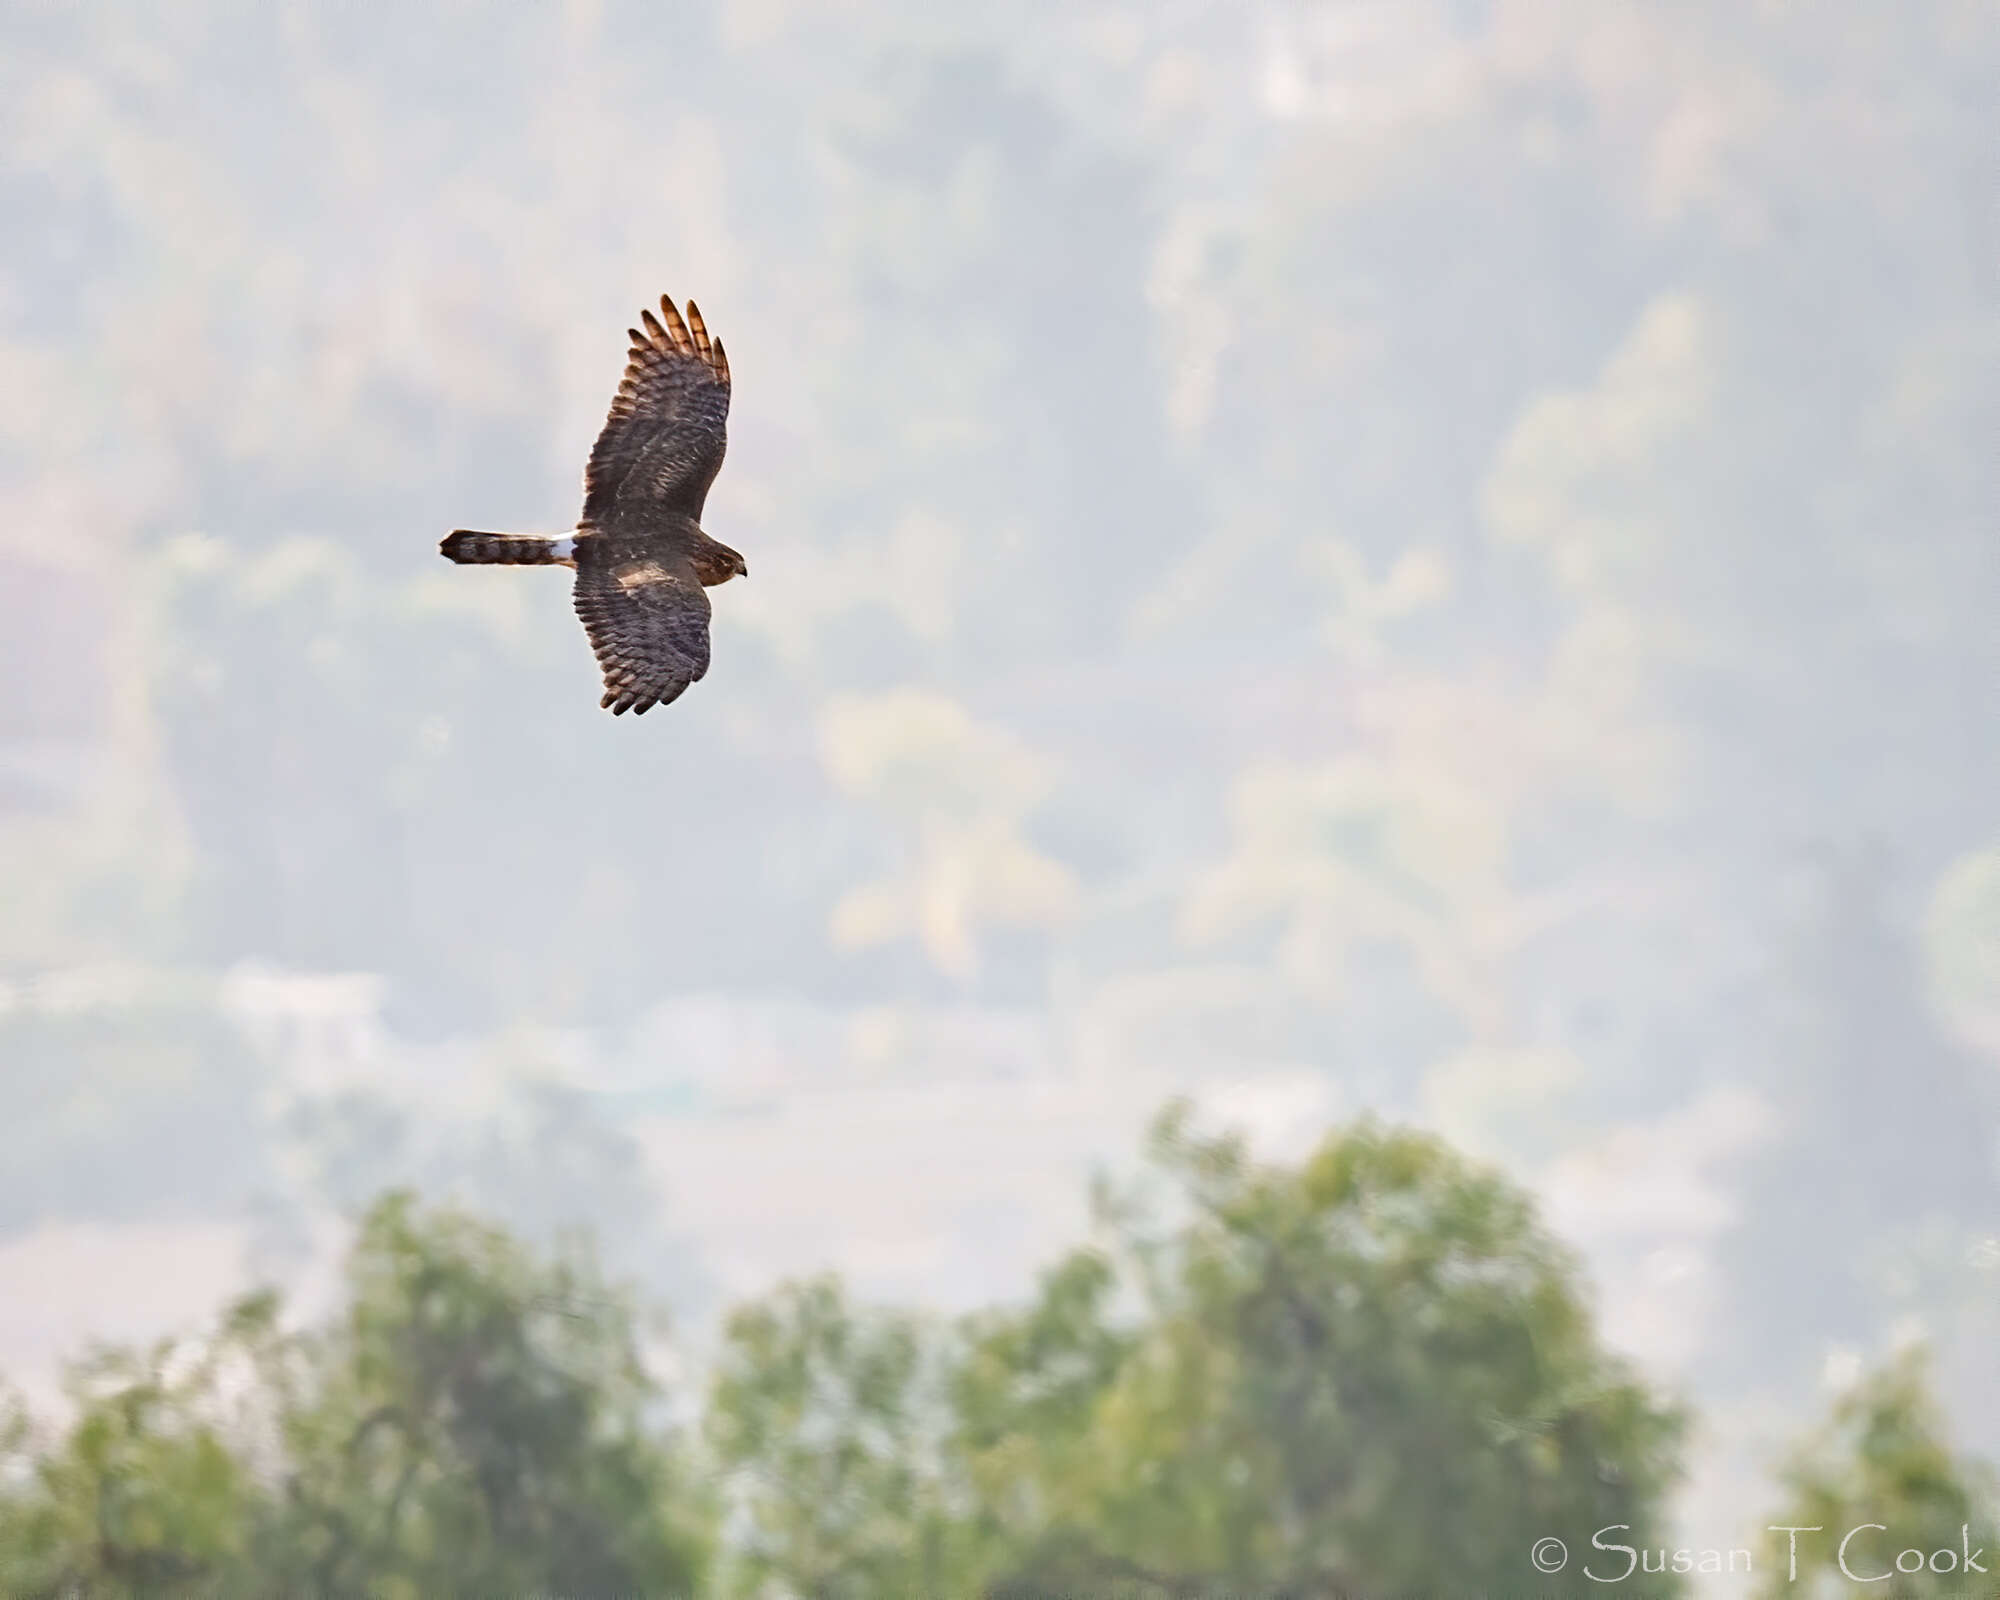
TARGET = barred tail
x,y
513,549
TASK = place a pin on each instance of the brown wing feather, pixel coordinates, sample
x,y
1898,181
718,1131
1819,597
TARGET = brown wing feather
x,y
647,618
663,442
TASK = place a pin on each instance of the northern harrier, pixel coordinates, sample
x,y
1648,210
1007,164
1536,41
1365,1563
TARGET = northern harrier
x,y
640,556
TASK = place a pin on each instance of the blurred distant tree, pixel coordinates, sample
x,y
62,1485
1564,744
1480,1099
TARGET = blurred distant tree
x,y
549,1161
1373,1374
827,1419
147,1489
1883,1457
481,1424
477,1421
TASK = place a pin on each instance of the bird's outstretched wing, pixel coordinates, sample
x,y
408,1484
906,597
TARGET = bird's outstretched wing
x,y
662,444
647,618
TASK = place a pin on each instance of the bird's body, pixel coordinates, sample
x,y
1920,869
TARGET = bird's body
x,y
641,558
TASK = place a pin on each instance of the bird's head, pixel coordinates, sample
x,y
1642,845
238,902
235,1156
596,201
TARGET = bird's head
x,y
717,563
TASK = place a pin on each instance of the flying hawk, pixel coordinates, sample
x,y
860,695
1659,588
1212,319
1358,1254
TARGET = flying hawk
x,y
640,556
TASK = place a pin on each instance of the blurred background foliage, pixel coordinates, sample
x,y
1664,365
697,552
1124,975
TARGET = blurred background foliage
x,y
1434,560
474,1420
1362,1374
